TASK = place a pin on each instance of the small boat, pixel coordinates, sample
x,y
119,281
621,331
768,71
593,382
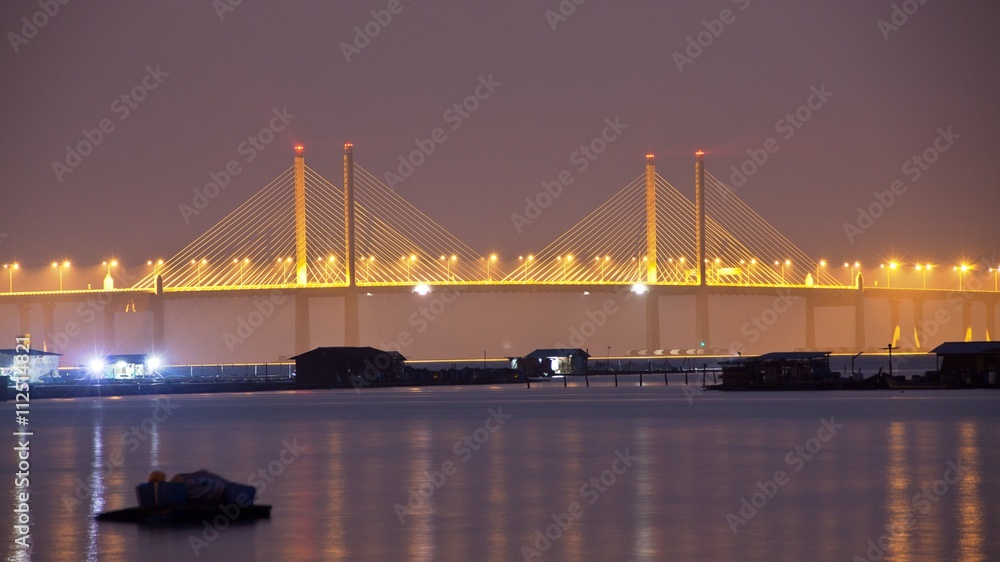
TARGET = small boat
x,y
186,514
199,497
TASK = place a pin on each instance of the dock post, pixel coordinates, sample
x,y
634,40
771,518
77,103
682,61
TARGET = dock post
x,y
640,378
704,371
665,381
586,379
564,380
616,378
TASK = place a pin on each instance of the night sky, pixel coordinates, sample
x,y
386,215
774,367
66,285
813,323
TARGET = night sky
x,y
215,76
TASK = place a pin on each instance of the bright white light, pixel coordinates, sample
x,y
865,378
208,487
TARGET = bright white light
x,y
120,364
96,365
640,289
422,289
153,363
586,292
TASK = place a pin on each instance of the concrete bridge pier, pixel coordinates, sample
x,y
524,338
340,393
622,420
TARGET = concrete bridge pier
x,y
859,314
48,324
991,320
810,323
159,332
894,320
701,311
918,322
108,314
352,318
652,320
24,317
967,320
301,322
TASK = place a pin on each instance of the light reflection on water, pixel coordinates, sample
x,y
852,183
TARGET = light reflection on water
x,y
365,452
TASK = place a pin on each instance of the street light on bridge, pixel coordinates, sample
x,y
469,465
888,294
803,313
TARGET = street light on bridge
x,y
408,261
923,269
61,267
525,261
197,264
489,260
447,261
603,262
822,263
10,267
962,270
892,266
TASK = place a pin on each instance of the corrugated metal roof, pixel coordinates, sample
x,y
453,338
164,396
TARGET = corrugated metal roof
x,y
794,355
556,352
967,347
349,352
34,352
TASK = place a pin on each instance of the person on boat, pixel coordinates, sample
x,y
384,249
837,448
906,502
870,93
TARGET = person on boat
x,y
201,486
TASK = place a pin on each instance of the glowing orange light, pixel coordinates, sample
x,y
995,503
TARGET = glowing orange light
x,y
700,153
298,149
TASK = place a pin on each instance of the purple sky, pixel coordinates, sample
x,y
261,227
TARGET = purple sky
x,y
608,59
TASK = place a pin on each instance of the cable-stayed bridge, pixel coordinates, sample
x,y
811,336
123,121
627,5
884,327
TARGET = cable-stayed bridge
x,y
304,234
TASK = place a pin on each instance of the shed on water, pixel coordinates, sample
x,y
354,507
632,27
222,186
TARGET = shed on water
x,y
347,367
555,361
971,362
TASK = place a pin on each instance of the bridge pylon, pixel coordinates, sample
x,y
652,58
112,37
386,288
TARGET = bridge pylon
x,y
651,274
301,260
352,316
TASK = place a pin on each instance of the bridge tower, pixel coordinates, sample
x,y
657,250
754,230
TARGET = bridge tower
x,y
301,264
650,219
701,312
352,317
699,204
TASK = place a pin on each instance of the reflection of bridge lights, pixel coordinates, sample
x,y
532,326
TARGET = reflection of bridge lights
x,y
422,289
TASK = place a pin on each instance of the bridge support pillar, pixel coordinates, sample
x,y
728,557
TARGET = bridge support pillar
x,y
48,325
301,322
991,320
918,323
894,320
159,333
110,338
701,327
352,318
859,314
24,317
967,320
652,320
810,323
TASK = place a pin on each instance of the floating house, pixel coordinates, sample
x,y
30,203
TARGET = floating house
x,y
548,362
332,367
43,366
795,369
968,363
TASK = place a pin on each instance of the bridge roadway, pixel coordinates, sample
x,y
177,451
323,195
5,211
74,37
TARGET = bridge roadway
x,y
105,303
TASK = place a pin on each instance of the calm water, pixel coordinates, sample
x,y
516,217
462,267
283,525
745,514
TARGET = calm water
x,y
339,468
